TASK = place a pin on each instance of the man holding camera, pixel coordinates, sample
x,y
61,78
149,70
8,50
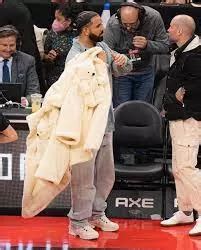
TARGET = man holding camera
x,y
139,32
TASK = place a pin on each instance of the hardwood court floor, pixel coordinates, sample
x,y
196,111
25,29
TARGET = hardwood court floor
x,y
51,233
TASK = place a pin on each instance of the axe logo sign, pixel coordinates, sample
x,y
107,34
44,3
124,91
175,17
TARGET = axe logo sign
x,y
131,202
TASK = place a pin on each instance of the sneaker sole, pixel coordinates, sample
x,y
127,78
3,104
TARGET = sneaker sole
x,y
84,238
105,229
109,230
196,234
178,224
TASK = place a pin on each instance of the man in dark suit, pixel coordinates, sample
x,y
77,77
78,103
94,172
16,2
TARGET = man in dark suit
x,y
16,66
14,12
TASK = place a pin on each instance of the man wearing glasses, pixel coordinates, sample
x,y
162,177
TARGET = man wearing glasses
x,y
139,32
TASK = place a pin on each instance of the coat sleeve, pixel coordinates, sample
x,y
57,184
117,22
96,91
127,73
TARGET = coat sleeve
x,y
48,42
121,70
116,69
160,43
192,75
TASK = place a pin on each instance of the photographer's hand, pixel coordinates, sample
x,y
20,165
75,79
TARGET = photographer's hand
x,y
140,42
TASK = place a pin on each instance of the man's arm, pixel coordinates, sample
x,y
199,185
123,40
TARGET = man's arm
x,y
109,39
7,133
32,83
191,81
192,75
121,64
160,42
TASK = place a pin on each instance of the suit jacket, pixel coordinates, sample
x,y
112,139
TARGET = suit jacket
x,y
23,71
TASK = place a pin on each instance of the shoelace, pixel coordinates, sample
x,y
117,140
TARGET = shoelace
x,y
104,219
87,228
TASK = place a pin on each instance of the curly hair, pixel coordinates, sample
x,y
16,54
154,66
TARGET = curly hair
x,y
71,9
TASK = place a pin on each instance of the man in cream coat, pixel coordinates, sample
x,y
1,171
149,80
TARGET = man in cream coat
x,y
92,181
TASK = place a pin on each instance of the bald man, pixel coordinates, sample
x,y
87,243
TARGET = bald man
x,y
139,32
183,110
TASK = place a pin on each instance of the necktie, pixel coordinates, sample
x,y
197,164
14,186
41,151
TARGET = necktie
x,y
6,74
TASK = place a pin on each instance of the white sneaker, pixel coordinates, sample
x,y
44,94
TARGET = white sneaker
x,y
179,218
196,230
105,224
85,232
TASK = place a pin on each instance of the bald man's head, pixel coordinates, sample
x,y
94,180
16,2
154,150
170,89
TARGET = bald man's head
x,y
186,23
129,17
182,27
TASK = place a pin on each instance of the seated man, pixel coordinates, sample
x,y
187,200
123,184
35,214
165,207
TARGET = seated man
x,y
16,66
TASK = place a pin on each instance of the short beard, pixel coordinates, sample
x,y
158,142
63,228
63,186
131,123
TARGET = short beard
x,y
95,39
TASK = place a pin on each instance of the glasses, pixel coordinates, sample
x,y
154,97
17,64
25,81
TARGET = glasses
x,y
130,25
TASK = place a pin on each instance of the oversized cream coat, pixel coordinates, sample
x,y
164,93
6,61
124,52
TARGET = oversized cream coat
x,y
69,125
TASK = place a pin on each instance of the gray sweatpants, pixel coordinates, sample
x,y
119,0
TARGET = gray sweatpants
x,y
91,184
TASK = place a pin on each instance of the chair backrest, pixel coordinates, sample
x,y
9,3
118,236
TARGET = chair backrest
x,y
137,124
159,92
161,64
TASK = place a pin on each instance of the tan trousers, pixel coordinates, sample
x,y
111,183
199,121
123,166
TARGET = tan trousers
x,y
186,137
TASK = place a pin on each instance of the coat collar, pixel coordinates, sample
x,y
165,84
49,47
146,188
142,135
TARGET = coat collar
x,y
192,45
